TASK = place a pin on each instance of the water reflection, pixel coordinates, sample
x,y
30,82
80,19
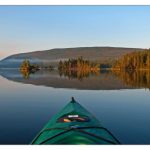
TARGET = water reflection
x,y
136,78
78,74
101,80
26,74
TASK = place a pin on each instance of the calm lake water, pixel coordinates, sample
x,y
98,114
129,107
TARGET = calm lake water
x,y
120,101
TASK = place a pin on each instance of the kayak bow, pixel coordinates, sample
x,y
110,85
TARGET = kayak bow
x,y
74,125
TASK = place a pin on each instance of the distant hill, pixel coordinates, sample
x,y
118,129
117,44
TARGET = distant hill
x,y
53,56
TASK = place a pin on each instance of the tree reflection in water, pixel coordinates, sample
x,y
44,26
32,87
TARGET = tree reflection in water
x,y
136,78
133,78
78,74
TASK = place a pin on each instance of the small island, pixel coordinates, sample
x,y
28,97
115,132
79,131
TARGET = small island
x,y
26,68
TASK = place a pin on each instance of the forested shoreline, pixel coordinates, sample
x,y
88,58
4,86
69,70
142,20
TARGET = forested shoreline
x,y
80,67
134,61
78,64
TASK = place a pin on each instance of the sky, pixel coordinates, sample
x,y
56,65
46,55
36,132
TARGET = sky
x,y
32,28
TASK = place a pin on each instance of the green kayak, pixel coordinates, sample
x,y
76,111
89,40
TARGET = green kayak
x,y
74,125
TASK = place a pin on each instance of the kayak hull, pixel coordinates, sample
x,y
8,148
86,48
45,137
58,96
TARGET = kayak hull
x,y
87,130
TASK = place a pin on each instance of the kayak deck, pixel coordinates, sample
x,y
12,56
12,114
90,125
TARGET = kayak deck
x,y
74,125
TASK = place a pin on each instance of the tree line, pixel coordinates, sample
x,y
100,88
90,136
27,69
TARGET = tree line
x,y
78,64
134,61
78,68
